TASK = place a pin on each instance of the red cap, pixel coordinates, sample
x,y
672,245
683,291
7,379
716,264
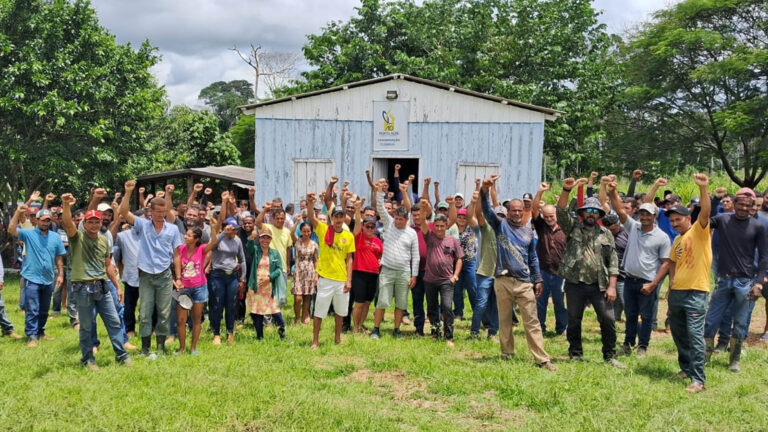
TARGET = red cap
x,y
746,192
92,214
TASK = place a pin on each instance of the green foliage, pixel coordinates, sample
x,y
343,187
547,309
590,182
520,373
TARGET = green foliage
x,y
186,138
242,135
369,385
696,88
552,53
73,103
224,98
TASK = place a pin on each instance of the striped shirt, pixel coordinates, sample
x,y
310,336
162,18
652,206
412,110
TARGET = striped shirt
x,y
401,246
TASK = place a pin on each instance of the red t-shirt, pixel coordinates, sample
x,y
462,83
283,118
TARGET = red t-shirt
x,y
368,252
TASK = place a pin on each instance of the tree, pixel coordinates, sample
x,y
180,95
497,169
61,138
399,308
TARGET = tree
x,y
186,138
697,83
553,53
275,68
73,103
242,135
224,98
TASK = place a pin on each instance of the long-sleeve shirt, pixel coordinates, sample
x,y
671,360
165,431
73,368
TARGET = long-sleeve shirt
x,y
401,246
514,245
585,244
739,240
227,254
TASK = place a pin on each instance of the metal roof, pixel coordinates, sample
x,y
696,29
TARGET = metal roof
x,y
250,109
235,174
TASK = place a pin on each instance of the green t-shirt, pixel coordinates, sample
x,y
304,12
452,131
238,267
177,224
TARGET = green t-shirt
x,y
488,253
88,256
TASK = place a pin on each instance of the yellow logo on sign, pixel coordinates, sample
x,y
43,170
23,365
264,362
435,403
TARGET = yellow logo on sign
x,y
389,120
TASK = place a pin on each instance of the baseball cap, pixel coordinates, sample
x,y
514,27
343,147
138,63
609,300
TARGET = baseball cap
x,y
744,192
442,205
679,210
610,219
462,211
265,232
672,198
92,214
695,201
500,210
32,210
103,207
337,211
459,195
231,221
650,208
527,197
369,220
44,213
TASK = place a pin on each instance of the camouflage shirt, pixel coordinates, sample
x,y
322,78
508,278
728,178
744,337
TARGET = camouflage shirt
x,y
590,255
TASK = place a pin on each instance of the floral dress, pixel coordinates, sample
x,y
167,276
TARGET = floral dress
x,y
261,302
305,275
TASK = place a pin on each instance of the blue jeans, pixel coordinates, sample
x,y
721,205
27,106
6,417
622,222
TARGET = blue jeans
x,y
466,282
224,289
22,285
118,308
730,295
618,305
5,324
106,308
486,308
417,294
553,286
37,301
637,303
686,319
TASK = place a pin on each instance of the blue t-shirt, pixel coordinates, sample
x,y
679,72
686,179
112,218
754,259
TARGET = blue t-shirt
x,y
42,250
663,222
156,250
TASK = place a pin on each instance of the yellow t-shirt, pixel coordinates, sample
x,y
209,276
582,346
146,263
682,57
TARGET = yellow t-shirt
x,y
281,240
691,254
332,263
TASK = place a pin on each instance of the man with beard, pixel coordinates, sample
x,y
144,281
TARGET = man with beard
x,y
590,268
517,278
43,249
738,279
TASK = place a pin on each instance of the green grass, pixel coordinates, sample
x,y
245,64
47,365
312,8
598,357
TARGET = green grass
x,y
367,385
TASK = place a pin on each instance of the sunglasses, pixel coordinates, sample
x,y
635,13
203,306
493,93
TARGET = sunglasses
x,y
591,210
369,226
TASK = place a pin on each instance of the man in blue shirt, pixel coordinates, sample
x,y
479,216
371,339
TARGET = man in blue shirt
x,y
43,249
158,244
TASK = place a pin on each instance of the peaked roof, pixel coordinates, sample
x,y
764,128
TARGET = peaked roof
x,y
230,173
250,109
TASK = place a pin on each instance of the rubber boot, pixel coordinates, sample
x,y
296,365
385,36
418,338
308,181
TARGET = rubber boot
x,y
710,342
281,332
146,343
160,345
735,355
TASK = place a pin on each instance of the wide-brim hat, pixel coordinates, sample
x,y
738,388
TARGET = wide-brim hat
x,y
592,203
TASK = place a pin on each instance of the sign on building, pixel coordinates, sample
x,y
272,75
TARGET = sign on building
x,y
390,125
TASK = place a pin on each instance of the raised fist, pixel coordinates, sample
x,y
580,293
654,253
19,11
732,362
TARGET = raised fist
x,y
475,196
197,187
605,179
427,180
610,187
495,177
169,188
397,167
208,191
334,180
50,197
99,193
436,183
543,187
161,194
449,199
569,183
130,185
251,192
636,174
581,182
721,192
593,175
68,199
311,199
22,208
661,181
390,195
701,179
411,178
141,189
403,187
488,182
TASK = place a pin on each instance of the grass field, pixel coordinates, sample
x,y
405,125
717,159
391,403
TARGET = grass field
x,y
367,385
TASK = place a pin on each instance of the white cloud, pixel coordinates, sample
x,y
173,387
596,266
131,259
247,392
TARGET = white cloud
x,y
194,37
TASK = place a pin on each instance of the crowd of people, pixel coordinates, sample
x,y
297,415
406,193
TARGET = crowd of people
x,y
182,263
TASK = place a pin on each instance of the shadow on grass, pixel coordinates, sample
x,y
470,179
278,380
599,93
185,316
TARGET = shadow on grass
x,y
656,371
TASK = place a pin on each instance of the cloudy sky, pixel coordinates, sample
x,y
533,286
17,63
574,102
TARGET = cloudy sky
x,y
194,37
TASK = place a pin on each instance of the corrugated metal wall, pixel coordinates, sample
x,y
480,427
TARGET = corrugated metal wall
x,y
517,147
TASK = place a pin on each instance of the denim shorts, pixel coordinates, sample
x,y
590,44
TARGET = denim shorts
x,y
197,294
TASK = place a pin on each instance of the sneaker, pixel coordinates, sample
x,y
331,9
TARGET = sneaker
x,y
493,339
695,387
615,363
129,346
14,335
642,353
32,343
764,337
152,357
625,350
230,339
397,334
548,366
375,334
195,352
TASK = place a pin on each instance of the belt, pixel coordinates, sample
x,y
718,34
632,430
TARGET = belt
x,y
89,281
630,277
226,272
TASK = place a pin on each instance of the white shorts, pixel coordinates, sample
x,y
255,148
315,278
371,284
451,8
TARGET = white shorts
x,y
331,291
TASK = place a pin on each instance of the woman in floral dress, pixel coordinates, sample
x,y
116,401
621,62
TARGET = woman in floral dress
x,y
305,277
260,300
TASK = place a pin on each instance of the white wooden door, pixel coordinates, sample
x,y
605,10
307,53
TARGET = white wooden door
x,y
468,172
379,168
311,175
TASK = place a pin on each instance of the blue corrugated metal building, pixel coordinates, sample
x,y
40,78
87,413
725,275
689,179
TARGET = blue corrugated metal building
x,y
432,129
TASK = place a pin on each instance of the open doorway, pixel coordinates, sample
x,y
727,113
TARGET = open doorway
x,y
385,167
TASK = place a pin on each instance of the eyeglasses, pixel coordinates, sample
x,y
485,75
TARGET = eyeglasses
x,y
592,210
